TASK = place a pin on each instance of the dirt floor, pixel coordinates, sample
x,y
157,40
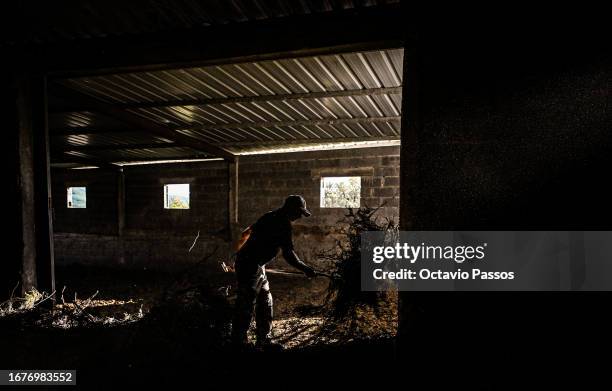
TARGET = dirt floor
x,y
147,327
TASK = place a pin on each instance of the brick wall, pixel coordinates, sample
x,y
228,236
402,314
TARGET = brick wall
x,y
157,237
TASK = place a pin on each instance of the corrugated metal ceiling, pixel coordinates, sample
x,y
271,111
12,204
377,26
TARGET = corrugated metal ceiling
x,y
244,107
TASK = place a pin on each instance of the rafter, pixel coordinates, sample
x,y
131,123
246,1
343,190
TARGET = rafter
x,y
245,99
117,147
270,124
140,123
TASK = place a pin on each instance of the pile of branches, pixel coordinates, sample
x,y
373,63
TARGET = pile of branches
x,y
19,305
88,313
65,314
345,299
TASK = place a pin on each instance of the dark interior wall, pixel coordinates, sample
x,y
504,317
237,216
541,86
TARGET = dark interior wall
x,y
155,236
512,133
514,136
208,187
100,216
144,199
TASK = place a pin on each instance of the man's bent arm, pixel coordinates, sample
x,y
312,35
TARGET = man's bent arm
x,y
292,259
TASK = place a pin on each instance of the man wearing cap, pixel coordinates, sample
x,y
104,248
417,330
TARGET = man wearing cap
x,y
263,240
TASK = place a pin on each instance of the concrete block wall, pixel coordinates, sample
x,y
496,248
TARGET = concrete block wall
x,y
265,181
208,205
153,236
100,216
159,238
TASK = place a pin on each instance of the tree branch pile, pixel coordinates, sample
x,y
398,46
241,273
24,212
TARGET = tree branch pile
x,y
347,304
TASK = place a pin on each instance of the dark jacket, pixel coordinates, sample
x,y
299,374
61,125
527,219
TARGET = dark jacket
x,y
271,233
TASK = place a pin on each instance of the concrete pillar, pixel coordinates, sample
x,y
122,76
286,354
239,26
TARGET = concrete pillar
x,y
232,202
11,262
121,213
45,258
25,105
25,176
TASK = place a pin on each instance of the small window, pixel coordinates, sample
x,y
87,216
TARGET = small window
x,y
77,197
176,196
341,192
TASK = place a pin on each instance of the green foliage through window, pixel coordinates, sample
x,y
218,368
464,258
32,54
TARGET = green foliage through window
x,y
340,192
176,196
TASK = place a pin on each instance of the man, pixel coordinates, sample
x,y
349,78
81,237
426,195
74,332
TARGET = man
x,y
260,244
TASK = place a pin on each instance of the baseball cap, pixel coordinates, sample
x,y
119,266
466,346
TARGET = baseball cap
x,y
297,202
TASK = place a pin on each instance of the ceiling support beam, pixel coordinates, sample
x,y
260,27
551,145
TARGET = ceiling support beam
x,y
78,130
246,99
84,161
314,142
270,124
118,147
71,159
140,123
